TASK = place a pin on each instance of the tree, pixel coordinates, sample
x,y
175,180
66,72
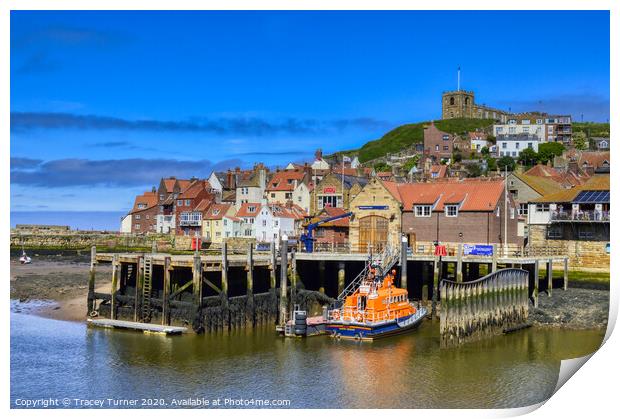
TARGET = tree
x,y
580,140
484,151
491,139
473,170
411,162
457,157
548,151
506,162
528,157
491,164
382,167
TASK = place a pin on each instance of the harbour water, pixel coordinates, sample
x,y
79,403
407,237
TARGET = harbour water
x,y
64,360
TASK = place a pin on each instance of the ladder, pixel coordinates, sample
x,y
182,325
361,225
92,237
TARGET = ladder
x,y
147,288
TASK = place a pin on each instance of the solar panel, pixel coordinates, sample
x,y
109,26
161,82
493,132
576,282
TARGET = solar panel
x,y
586,197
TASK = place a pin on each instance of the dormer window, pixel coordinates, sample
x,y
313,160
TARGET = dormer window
x,y
422,210
216,211
452,210
141,206
251,209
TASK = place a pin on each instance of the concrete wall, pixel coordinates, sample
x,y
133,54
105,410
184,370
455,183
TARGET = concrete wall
x,y
84,239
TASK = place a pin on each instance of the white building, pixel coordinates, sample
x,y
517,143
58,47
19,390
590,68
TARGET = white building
x,y
231,226
126,223
273,221
165,223
525,125
512,145
252,189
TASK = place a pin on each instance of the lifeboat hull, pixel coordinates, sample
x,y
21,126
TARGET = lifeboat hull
x,y
371,331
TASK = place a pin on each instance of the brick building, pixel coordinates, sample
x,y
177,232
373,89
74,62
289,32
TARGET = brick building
x,y
189,207
329,191
437,143
332,232
144,213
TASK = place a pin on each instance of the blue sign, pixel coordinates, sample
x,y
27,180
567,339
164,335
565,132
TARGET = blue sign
x,y
607,248
478,249
373,207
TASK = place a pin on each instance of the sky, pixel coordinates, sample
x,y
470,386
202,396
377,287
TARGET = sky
x,y
104,104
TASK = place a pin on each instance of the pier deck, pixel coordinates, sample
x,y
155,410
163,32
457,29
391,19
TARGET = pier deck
x,y
141,327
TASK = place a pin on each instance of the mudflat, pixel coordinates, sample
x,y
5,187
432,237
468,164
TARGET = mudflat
x,y
62,281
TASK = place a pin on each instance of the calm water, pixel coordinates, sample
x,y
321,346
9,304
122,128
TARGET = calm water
x,y
57,359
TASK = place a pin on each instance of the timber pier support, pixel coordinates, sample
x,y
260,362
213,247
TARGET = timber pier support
x,y
248,287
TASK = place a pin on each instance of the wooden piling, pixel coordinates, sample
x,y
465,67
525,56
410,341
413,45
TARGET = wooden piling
x,y
341,277
565,274
165,314
425,278
436,279
272,270
494,263
139,282
459,263
224,311
283,280
403,264
249,312
197,281
536,283
322,276
549,277
115,272
91,281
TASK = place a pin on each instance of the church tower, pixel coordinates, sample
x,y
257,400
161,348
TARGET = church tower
x,y
457,104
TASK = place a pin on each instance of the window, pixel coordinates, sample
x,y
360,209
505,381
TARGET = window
x,y
264,223
161,197
251,208
554,232
275,223
422,210
514,154
436,148
512,130
179,203
522,210
550,129
499,130
526,130
445,137
512,121
148,216
539,121
218,234
504,145
542,207
517,145
188,202
530,145
141,206
225,221
288,195
445,148
137,226
512,213
273,195
244,191
329,201
452,210
525,122
138,216
452,100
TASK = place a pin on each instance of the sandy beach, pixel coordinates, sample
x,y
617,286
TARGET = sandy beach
x,y
59,282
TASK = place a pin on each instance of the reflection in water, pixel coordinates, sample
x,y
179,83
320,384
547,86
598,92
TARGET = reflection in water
x,y
58,359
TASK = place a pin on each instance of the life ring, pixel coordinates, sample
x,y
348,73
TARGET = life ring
x,y
358,317
94,313
336,314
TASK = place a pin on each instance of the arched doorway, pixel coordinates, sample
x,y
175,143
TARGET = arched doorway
x,y
373,232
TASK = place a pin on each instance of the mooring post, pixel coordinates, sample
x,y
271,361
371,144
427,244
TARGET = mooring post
x,y
549,276
154,247
197,281
425,280
341,277
565,274
459,263
436,279
283,275
536,283
249,312
403,264
165,305
139,282
91,281
115,269
224,290
494,264
272,270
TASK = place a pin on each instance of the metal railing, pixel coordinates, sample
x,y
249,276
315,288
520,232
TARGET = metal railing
x,y
600,216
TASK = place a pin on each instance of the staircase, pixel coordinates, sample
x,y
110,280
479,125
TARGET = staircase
x,y
382,263
147,289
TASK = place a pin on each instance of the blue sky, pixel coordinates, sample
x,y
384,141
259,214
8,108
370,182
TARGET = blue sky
x,y
105,103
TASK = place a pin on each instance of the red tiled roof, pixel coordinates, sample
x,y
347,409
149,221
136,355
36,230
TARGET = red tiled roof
x,y
473,195
384,174
392,187
285,180
244,211
203,205
169,184
440,169
149,199
216,211
194,189
184,184
348,171
329,212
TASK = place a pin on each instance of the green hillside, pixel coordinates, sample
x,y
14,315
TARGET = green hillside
x,y
410,134
592,129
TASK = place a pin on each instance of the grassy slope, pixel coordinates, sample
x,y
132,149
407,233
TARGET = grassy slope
x,y
594,129
410,134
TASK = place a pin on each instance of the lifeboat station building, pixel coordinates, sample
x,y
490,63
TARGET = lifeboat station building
x,y
451,212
